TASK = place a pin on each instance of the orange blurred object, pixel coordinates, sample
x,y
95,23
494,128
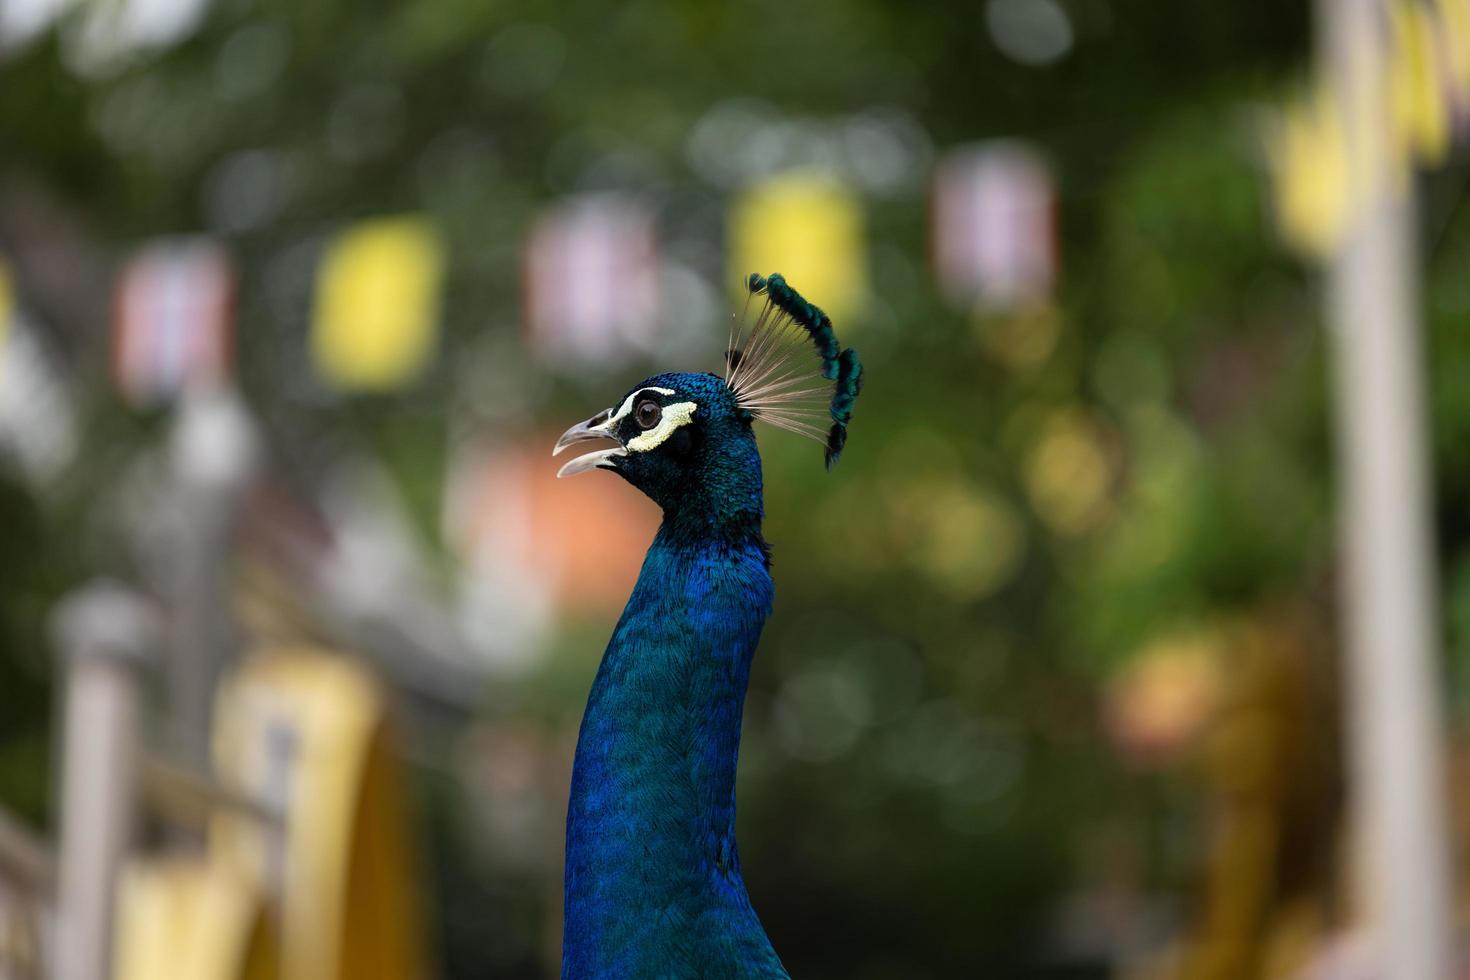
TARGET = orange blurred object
x,y
1160,703
583,539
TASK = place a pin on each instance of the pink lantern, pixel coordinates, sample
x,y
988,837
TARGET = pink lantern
x,y
993,227
592,281
173,320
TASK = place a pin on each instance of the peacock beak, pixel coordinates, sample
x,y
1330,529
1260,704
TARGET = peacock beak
x,y
592,429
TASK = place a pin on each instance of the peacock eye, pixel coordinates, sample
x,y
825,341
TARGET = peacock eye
x,y
647,414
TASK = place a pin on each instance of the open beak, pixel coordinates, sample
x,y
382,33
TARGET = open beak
x,y
592,429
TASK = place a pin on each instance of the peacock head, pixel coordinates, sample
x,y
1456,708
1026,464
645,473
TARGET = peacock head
x,y
683,437
674,433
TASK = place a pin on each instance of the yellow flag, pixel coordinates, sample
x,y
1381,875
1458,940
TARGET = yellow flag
x,y
809,229
1420,109
377,304
1454,19
7,303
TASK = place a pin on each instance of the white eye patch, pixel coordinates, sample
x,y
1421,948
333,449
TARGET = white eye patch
x,y
675,415
611,422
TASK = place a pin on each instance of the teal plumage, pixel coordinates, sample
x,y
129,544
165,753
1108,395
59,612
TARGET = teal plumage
x,y
653,883
837,364
849,386
813,319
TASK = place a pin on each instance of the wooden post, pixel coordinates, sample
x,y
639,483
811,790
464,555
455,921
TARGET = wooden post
x,y
27,891
213,448
103,635
1390,619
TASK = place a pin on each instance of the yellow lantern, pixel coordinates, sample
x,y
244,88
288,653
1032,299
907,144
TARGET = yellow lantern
x,y
808,228
377,304
1312,171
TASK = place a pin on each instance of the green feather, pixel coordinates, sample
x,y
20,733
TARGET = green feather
x,y
841,366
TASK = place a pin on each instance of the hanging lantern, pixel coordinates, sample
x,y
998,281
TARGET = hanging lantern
x,y
807,227
173,321
377,304
592,282
992,227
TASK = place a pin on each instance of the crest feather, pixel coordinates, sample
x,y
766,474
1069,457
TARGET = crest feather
x,y
774,379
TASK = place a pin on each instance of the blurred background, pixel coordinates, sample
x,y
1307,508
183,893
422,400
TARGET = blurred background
x,y
296,297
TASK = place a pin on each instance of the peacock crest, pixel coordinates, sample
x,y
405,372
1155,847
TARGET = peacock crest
x,y
769,369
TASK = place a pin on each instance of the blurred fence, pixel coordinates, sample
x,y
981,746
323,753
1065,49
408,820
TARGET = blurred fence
x,y
27,890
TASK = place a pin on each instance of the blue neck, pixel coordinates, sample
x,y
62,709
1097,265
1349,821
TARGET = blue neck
x,y
653,884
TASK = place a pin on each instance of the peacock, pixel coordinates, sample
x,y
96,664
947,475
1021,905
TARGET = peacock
x,y
653,886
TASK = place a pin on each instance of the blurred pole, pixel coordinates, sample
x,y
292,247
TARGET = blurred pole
x,y
103,634
213,448
1388,599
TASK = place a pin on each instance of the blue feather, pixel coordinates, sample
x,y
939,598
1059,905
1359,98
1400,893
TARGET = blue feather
x,y
653,886
653,881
